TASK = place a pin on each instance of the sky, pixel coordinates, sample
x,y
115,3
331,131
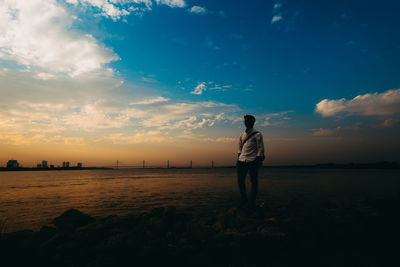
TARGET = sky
x,y
96,81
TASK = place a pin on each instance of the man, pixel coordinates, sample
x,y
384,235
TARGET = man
x,y
250,158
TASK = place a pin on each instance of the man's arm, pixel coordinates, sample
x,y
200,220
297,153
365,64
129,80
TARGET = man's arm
x,y
260,147
240,146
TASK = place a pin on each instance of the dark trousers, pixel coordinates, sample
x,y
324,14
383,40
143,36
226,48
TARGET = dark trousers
x,y
242,169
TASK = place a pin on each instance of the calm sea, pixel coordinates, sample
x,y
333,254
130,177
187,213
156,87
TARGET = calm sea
x,y
31,199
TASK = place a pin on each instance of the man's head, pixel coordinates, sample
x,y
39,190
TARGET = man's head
x,y
249,121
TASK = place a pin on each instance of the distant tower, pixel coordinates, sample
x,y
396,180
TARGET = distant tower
x,y
79,165
117,164
143,164
44,164
212,164
65,164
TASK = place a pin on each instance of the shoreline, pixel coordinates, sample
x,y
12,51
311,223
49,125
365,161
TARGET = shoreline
x,y
55,169
384,165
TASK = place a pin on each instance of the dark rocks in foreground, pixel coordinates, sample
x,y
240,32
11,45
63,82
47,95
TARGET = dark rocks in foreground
x,y
365,233
72,219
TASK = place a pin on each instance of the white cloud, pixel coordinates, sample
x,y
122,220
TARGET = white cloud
x,y
94,106
119,9
172,3
64,88
327,132
273,119
37,33
218,87
45,76
385,103
198,90
197,10
276,18
150,101
109,8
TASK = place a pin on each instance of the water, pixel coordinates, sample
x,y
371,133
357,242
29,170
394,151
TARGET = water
x,y
30,199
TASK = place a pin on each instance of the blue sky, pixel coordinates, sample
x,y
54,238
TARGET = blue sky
x,y
103,74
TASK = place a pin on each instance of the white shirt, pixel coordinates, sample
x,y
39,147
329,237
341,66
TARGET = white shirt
x,y
254,147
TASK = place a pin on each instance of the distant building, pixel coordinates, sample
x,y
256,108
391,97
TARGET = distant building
x,y
44,164
51,166
12,164
65,164
39,166
79,165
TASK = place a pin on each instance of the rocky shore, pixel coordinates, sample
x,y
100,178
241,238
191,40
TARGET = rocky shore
x,y
327,233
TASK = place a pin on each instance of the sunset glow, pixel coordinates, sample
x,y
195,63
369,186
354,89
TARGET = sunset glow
x,y
100,81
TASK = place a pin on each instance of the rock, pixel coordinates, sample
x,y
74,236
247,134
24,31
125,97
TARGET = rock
x,y
72,219
19,238
229,221
45,233
157,212
270,220
169,217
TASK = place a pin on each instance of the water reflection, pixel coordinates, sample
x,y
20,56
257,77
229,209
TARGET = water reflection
x,y
30,199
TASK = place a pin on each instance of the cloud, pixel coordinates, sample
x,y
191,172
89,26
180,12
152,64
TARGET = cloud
x,y
138,138
221,13
160,137
45,76
94,106
197,10
172,3
388,123
149,80
386,103
327,132
118,9
38,34
218,87
63,92
209,43
274,119
13,138
198,90
150,101
109,8
276,18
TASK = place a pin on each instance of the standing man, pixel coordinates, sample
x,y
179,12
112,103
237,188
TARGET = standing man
x,y
250,158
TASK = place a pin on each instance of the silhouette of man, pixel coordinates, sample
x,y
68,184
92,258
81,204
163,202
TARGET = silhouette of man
x,y
250,158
